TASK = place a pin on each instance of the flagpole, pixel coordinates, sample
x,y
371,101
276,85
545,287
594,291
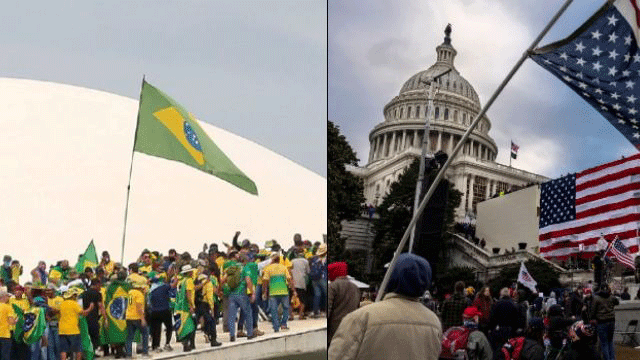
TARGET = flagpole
x,y
446,165
510,152
126,209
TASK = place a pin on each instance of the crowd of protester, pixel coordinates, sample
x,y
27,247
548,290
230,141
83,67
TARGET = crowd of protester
x,y
144,295
514,323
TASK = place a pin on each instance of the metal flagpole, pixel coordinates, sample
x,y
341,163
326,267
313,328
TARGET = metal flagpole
x,y
473,125
126,209
510,152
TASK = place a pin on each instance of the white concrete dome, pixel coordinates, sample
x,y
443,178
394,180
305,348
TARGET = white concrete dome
x,y
65,157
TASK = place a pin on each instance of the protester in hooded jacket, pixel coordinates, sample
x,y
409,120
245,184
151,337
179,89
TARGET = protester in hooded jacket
x,y
533,347
558,329
504,320
344,297
399,326
604,317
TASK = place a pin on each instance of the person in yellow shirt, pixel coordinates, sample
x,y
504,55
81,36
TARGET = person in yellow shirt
x,y
276,281
7,318
204,304
53,317
186,279
106,263
145,264
135,317
69,329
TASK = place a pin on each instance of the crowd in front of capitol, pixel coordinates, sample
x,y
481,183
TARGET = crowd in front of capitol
x,y
468,324
81,312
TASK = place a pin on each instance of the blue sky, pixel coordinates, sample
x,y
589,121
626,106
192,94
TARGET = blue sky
x,y
255,68
375,46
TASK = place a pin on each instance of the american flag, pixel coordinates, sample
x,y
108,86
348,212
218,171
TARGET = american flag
x,y
514,150
621,253
525,279
578,209
600,61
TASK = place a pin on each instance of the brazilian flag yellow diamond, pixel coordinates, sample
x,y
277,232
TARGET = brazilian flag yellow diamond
x,y
165,129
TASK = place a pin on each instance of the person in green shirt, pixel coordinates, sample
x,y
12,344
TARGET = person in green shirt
x,y
238,281
251,268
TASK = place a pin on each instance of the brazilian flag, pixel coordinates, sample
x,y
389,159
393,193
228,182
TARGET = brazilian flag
x,y
85,339
165,129
116,301
30,325
88,259
182,320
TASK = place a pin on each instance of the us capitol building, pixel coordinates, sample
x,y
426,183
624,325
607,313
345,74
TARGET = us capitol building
x,y
397,141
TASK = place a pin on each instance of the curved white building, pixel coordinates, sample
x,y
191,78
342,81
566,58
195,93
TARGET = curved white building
x,y
397,140
65,155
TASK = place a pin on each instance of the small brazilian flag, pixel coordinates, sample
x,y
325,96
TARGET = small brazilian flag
x,y
165,129
30,325
182,320
88,259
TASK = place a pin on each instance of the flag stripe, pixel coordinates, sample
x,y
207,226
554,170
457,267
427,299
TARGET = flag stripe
x,y
606,202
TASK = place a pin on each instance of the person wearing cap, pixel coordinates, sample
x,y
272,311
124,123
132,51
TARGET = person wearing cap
x,y
399,326
319,281
344,296
69,329
7,319
186,280
478,347
279,281
135,317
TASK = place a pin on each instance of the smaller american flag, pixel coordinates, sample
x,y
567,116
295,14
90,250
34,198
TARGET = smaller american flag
x,y
621,253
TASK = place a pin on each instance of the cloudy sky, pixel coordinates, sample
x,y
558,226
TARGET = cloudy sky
x,y
254,68
374,47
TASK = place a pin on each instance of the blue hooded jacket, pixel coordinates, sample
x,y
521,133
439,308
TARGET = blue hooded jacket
x,y
411,276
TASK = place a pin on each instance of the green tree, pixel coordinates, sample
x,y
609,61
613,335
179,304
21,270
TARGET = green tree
x,y
345,192
395,213
544,274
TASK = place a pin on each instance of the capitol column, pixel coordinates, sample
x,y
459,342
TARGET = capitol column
x,y
439,146
488,192
452,139
384,146
392,145
471,182
404,140
415,139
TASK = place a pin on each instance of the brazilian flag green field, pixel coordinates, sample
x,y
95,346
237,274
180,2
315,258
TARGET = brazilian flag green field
x,y
165,129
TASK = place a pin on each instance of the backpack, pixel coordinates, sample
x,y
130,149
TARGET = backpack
x,y
315,269
234,276
512,348
454,343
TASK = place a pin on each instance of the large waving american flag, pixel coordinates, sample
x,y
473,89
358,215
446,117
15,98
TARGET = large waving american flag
x,y
577,209
600,61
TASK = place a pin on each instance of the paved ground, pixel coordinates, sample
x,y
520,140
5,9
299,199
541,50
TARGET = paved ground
x,y
295,326
627,353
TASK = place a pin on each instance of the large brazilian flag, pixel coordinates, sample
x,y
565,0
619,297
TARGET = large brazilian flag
x,y
116,301
85,339
165,129
30,326
182,320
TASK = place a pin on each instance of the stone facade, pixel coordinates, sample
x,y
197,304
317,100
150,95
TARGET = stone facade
x,y
397,141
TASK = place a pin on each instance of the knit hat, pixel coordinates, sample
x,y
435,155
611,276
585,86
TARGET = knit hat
x,y
337,269
411,276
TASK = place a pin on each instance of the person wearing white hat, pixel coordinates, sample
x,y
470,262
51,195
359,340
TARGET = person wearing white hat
x,y
187,281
